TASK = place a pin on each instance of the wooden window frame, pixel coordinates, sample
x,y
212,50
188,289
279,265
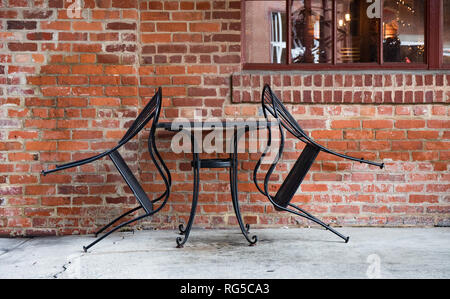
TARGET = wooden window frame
x,y
441,41
433,45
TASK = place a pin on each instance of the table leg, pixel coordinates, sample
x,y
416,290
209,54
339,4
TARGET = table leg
x,y
235,193
196,168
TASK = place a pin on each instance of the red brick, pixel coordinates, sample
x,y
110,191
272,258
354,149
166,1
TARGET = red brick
x,y
169,70
40,190
87,26
438,124
18,25
37,14
87,69
416,198
154,16
119,69
171,27
377,124
120,26
199,69
74,124
156,37
55,91
72,36
22,135
124,3
72,145
55,25
410,123
22,179
343,124
22,47
19,222
437,145
345,209
390,135
204,27
55,69
121,91
407,145
423,134
87,47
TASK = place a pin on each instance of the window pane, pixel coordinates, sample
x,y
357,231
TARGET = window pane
x,y
312,31
446,30
357,38
265,31
403,31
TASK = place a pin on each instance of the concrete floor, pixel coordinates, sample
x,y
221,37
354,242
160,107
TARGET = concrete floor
x,y
279,253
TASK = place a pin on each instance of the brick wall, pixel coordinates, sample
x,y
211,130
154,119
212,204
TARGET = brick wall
x,y
70,86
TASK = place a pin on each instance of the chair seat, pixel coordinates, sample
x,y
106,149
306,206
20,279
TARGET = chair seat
x,y
296,176
131,180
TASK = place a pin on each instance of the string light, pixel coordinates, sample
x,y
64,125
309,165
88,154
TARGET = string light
x,y
408,7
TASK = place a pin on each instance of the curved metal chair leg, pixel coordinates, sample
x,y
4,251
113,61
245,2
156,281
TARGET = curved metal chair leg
x,y
180,241
115,220
314,219
85,248
301,210
181,229
234,196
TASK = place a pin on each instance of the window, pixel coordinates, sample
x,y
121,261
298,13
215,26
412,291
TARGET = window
x,y
446,37
346,34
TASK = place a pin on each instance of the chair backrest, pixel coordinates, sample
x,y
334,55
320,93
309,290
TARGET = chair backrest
x,y
150,111
271,104
275,107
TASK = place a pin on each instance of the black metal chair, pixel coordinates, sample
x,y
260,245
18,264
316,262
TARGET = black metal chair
x,y
287,190
150,111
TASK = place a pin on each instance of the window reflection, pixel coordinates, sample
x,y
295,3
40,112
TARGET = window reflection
x,y
403,31
278,37
265,31
312,29
357,34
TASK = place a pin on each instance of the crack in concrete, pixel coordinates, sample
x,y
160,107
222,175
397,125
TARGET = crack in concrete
x,y
67,265
72,258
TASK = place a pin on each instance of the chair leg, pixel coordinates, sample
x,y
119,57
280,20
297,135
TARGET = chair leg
x,y
115,220
180,241
301,210
235,199
85,248
182,229
314,219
